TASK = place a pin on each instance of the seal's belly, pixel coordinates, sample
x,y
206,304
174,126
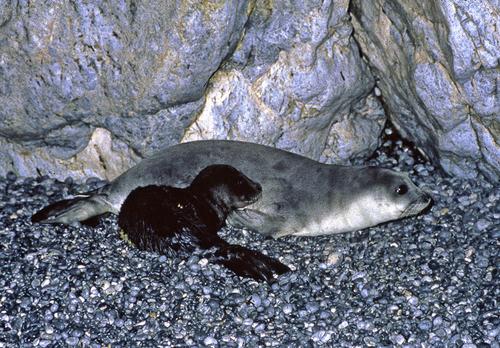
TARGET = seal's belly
x,y
345,219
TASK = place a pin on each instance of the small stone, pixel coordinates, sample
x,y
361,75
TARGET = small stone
x,y
260,328
343,325
312,307
209,341
425,325
72,341
482,224
255,300
321,336
287,309
44,343
333,259
444,211
398,339
370,341
437,321
413,300
493,332
25,302
248,322
433,265
468,254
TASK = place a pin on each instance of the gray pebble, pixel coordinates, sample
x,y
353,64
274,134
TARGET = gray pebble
x,y
44,343
413,300
437,321
209,341
321,336
482,225
398,339
255,300
287,309
72,341
425,325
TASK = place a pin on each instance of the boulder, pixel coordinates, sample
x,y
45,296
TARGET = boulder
x,y
90,88
82,81
68,68
436,63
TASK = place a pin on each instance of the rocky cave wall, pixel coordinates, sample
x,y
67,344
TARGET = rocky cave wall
x,y
90,88
437,65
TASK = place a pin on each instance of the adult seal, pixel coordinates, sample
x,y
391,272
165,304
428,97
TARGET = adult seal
x,y
300,196
178,221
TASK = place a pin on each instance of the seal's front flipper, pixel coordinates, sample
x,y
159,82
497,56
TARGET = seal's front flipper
x,y
256,221
72,210
249,264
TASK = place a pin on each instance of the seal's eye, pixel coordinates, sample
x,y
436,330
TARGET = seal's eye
x,y
401,189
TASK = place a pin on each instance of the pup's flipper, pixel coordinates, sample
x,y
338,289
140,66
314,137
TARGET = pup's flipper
x,y
72,210
249,263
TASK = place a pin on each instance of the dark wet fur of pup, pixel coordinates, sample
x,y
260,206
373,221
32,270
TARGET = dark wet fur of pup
x,y
176,222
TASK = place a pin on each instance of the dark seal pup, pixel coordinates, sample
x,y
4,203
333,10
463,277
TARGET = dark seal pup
x,y
176,221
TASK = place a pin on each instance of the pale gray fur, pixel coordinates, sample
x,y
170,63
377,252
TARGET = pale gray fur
x,y
300,196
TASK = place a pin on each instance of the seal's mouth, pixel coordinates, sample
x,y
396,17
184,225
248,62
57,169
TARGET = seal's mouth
x,y
246,200
417,206
255,198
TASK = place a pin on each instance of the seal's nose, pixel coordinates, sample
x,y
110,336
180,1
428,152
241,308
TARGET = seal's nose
x,y
258,187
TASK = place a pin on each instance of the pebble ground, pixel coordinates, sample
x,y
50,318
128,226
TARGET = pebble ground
x,y
426,281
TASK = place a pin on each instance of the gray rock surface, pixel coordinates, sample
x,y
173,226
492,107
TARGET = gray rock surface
x,y
139,76
67,68
296,81
437,65
90,88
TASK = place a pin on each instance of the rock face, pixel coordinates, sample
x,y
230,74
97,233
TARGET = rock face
x,y
146,75
437,65
135,68
296,81
90,88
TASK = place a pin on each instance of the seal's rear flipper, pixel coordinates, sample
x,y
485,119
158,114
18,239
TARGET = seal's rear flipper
x,y
67,211
249,264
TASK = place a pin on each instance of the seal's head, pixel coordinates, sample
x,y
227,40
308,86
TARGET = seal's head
x,y
227,186
391,195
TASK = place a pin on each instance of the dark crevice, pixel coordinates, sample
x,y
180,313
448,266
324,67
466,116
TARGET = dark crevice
x,y
101,159
389,139
133,10
390,132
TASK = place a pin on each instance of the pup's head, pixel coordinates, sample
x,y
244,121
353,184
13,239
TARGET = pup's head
x,y
227,185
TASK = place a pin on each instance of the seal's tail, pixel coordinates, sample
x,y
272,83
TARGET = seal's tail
x,y
248,263
67,211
